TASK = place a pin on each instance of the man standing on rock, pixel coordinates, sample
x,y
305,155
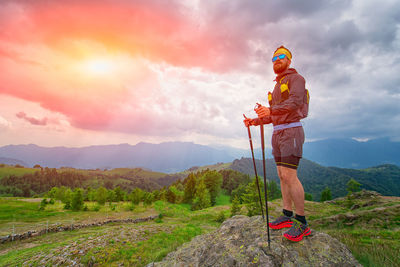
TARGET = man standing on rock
x,y
288,105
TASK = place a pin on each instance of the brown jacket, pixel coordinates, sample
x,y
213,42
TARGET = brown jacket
x,y
287,105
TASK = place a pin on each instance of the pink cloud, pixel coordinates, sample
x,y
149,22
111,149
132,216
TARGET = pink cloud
x,y
34,121
33,33
158,30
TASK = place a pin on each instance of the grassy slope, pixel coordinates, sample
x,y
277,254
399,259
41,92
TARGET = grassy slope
x,y
11,170
372,237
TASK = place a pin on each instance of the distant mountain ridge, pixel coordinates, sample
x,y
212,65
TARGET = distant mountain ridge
x,y
170,157
10,161
350,153
165,157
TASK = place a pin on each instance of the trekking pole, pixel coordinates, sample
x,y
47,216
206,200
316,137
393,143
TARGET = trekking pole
x,y
255,169
265,178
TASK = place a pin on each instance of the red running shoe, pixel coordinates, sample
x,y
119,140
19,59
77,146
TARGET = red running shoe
x,y
281,222
297,231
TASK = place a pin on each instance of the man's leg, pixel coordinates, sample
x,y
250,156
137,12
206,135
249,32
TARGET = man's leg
x,y
286,197
292,189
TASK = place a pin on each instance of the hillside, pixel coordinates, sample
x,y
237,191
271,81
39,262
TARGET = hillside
x,y
27,182
384,179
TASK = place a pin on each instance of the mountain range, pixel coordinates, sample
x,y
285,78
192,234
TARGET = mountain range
x,y
170,157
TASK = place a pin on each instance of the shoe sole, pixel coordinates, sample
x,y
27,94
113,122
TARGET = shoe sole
x,y
281,225
298,238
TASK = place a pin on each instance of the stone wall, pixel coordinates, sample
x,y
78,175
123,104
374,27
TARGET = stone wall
x,y
61,228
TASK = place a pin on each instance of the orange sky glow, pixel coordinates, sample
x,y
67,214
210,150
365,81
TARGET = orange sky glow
x,y
77,73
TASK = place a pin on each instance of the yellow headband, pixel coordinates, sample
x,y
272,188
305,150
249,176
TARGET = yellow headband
x,y
283,51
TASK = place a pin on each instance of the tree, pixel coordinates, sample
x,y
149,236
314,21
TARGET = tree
x,y
119,194
232,179
136,196
111,195
235,208
101,195
77,199
239,192
326,194
156,195
147,198
353,186
213,182
251,198
170,195
273,190
91,194
202,197
308,196
190,188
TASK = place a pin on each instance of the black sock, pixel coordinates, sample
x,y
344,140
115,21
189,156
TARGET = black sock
x,y
287,213
301,219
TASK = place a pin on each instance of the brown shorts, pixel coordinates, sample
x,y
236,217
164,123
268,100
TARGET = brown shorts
x,y
289,162
287,146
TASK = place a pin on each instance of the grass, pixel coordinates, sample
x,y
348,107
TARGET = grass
x,y
371,248
11,170
178,225
140,244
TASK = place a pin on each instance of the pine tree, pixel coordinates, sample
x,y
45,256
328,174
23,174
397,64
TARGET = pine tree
x,y
353,186
326,194
202,197
308,196
136,196
77,199
190,188
251,198
119,194
213,182
170,196
101,195
235,208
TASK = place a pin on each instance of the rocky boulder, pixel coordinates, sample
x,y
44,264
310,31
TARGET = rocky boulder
x,y
243,241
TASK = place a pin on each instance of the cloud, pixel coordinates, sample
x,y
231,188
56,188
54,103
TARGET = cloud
x,y
194,67
31,120
4,124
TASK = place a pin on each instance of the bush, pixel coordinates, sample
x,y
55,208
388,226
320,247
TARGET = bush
x,y
67,205
96,207
220,217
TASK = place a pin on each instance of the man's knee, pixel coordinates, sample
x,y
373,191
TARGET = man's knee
x,y
287,175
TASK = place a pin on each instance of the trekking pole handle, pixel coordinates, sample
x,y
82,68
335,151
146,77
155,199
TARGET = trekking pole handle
x,y
257,106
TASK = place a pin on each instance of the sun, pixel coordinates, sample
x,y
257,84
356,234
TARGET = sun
x,y
99,66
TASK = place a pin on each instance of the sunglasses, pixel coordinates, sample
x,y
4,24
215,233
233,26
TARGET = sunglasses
x,y
281,56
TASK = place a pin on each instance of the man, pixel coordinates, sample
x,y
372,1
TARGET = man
x,y
288,105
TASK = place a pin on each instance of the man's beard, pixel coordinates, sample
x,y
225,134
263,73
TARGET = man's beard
x,y
280,67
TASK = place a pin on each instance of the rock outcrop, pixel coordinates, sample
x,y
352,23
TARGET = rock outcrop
x,y
243,241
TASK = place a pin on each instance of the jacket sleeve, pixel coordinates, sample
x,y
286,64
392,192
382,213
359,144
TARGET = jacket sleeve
x,y
265,120
297,86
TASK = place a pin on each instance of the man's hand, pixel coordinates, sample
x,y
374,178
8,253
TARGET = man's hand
x,y
262,111
248,122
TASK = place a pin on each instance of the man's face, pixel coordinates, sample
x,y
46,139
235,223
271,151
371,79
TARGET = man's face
x,y
280,65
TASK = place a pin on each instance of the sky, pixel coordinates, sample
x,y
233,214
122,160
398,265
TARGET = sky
x,y
79,73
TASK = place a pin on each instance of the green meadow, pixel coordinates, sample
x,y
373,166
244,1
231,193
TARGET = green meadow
x,y
374,242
